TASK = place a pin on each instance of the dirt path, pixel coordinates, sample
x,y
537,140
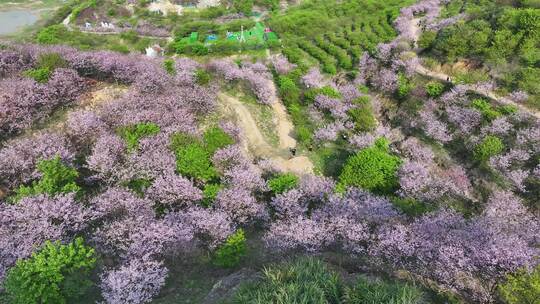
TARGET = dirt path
x,y
255,143
415,29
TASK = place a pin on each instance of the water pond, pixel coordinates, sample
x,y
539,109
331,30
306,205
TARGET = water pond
x,y
12,21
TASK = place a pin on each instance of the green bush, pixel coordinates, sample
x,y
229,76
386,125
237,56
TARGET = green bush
x,y
133,133
488,113
373,169
304,134
168,65
522,287
199,49
411,206
139,185
55,274
179,140
215,138
366,291
202,77
309,95
40,75
194,161
404,86
56,178
45,66
210,193
232,251
490,146
283,183
434,89
51,34
288,90
51,61
119,48
307,280
427,39
243,6
130,36
362,115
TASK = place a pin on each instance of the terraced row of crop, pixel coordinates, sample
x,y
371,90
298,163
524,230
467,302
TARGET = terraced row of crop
x,y
356,26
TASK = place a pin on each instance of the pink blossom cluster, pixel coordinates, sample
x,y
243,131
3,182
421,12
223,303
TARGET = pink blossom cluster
x,y
242,180
24,102
426,181
25,226
135,282
255,75
464,255
434,127
313,79
443,23
519,96
340,221
282,65
185,70
431,8
366,139
337,107
19,157
12,62
329,132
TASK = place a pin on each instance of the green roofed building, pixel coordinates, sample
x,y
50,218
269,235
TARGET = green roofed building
x,y
257,35
193,37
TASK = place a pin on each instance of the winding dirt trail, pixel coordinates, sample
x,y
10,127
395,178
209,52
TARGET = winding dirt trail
x,y
255,143
415,29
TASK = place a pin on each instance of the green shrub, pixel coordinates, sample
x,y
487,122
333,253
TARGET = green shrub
x,y
373,169
289,92
304,281
362,115
45,66
243,6
199,49
120,48
210,193
130,36
283,183
40,75
522,287
215,138
304,134
56,178
202,77
488,113
411,206
51,61
309,95
194,161
168,65
434,89
179,140
490,146
139,185
427,39
55,274
51,34
232,251
404,86
507,109
133,133
366,291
